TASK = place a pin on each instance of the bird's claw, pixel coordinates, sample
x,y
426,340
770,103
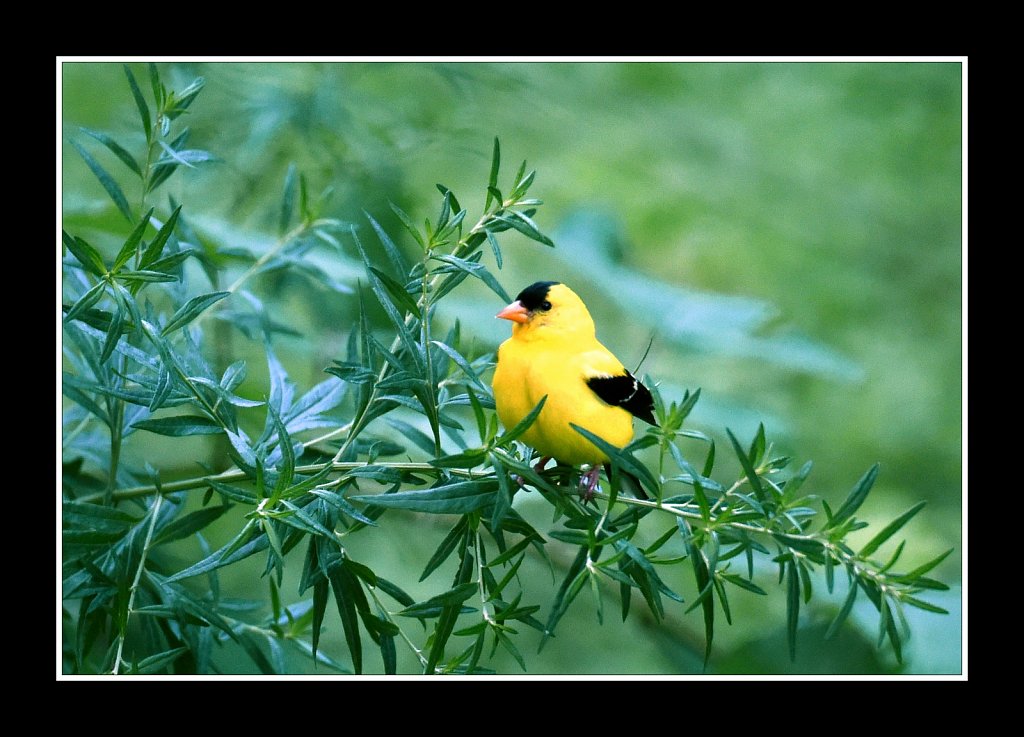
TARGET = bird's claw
x,y
588,484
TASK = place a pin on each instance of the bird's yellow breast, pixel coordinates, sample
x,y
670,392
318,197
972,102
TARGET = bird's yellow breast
x,y
528,370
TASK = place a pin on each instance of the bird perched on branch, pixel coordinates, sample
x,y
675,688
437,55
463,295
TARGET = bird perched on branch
x,y
554,353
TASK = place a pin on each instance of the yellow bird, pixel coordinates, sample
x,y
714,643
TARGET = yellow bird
x,y
554,352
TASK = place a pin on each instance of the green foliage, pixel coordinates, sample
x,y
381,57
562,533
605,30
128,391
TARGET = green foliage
x,y
306,477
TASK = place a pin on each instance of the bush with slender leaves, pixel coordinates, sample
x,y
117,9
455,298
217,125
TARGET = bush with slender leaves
x,y
311,469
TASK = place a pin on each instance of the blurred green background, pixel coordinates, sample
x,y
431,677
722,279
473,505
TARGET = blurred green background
x,y
789,234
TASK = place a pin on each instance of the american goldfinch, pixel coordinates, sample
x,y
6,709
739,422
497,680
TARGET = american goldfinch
x,y
554,352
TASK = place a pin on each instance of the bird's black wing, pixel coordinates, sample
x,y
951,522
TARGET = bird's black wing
x,y
626,392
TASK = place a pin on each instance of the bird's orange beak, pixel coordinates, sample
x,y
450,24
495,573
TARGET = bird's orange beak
x,y
515,312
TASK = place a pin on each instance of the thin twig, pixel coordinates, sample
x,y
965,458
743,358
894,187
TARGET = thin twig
x,y
154,511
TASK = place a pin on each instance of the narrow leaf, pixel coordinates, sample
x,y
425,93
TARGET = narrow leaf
x,y
457,498
855,498
140,103
522,426
191,310
156,246
130,245
748,469
343,582
792,606
492,179
287,200
86,301
109,184
87,256
180,426
126,158
890,530
394,255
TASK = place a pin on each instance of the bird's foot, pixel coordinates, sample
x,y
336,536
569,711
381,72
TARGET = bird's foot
x,y
538,467
588,484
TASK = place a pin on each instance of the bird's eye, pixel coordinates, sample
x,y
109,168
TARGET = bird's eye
x,y
545,305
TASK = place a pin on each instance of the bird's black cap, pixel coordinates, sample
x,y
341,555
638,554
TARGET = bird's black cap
x,y
532,297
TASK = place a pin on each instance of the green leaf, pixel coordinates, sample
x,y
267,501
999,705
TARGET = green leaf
x,y
321,590
449,614
87,256
520,188
462,363
403,300
345,584
167,263
574,579
109,184
187,157
890,530
467,459
792,606
407,222
923,569
495,248
186,97
743,583
180,425
406,338
113,333
915,602
337,500
756,452
87,300
242,546
190,524
801,544
522,426
394,255
445,548
620,457
130,245
159,91
519,221
353,373
95,517
159,661
191,310
156,246
287,200
286,466
394,592
478,270
855,498
503,497
457,498
843,613
126,158
432,607
748,469
146,276
492,180
512,552
140,103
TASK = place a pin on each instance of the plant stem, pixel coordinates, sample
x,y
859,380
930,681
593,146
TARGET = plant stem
x,y
485,605
115,409
412,646
230,475
273,251
154,511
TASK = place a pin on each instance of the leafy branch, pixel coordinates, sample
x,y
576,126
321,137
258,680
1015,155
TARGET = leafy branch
x,y
311,470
